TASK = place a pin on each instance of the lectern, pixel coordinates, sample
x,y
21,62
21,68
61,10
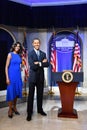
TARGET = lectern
x,y
67,82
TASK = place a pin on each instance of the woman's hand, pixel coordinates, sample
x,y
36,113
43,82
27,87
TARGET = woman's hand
x,y
7,81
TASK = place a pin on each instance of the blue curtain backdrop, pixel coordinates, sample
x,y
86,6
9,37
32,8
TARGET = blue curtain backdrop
x,y
15,14
64,59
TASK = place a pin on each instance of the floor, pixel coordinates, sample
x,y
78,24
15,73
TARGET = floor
x,y
51,104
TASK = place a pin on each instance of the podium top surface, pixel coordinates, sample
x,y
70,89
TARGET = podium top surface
x,y
77,76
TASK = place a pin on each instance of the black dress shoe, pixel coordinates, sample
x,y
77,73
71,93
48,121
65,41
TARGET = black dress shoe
x,y
10,116
42,113
16,112
28,118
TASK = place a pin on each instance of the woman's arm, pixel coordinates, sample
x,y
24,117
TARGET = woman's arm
x,y
6,68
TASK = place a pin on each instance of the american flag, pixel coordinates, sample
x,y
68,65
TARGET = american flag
x,y
77,65
53,54
25,60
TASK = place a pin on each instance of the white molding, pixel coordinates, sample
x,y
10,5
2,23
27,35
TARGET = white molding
x,y
5,29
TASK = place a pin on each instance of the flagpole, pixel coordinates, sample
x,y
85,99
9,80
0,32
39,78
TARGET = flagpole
x,y
24,56
50,92
25,91
77,91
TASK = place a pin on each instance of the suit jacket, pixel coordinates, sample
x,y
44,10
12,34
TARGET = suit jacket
x,y
36,73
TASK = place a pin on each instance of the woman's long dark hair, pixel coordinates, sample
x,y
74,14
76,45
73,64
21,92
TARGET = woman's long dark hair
x,y
13,48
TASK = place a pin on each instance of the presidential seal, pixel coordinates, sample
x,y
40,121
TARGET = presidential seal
x,y
67,76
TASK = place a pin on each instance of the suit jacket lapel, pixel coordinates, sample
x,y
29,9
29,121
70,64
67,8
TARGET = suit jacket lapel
x,y
35,55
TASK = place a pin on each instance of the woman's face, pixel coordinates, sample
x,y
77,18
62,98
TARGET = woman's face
x,y
17,48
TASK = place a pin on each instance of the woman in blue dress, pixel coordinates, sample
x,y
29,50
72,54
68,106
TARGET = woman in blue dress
x,y
13,78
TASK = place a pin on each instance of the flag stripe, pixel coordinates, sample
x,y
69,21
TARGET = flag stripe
x,y
53,55
77,65
25,63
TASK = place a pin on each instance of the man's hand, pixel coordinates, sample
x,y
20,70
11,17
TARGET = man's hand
x,y
36,63
45,60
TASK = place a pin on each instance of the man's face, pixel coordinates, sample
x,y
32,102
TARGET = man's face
x,y
36,44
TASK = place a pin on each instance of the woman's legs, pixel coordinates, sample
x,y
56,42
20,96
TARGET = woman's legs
x,y
14,104
14,107
10,114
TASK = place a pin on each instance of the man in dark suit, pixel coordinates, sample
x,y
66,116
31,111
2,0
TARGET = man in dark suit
x,y
37,62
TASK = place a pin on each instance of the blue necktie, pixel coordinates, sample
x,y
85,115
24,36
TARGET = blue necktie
x,y
38,54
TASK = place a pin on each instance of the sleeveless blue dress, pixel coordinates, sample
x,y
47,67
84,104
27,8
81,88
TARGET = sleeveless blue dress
x,y
14,89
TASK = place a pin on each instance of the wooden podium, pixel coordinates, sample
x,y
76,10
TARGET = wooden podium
x,y
67,93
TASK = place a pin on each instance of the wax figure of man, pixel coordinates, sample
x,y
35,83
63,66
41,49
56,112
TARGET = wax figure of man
x,y
37,62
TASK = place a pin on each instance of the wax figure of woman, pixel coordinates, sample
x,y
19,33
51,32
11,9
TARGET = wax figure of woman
x,y
13,78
